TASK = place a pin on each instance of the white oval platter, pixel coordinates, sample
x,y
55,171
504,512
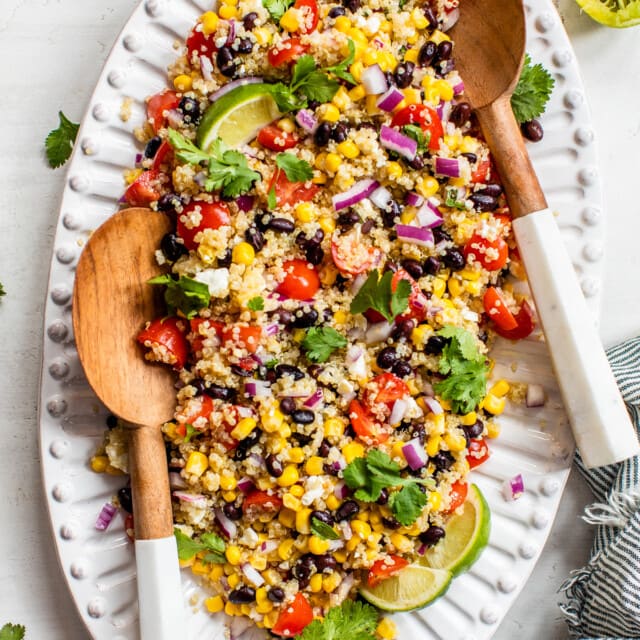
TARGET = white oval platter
x,y
99,566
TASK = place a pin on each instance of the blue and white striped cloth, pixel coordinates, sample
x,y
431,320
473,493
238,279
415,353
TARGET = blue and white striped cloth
x,y
602,600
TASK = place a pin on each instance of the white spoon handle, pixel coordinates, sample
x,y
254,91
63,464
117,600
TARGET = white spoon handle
x,y
601,425
159,590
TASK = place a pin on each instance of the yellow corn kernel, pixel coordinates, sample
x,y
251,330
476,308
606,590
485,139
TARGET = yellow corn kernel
x,y
228,483
468,145
357,93
214,604
455,441
233,554
229,496
182,83
302,521
276,444
232,609
297,490
342,24
318,546
199,568
500,388
396,450
340,556
333,162
439,36
433,445
358,36
244,428
427,186
234,580
333,502
287,518
431,96
341,99
333,428
331,582
371,57
271,418
314,466
469,274
262,35
474,288
356,70
407,215
328,274
131,175
456,288
305,212
411,96
327,224
421,334
262,595
289,476
210,23
319,177
287,125
315,583
444,89
361,529
394,170
227,12
289,21
329,113
258,562
385,26
285,548
352,450
469,418
412,37
386,629
371,105
216,572
321,158
291,502
296,454
243,253
418,19
99,464
272,577
197,463
438,287
400,542
340,317
264,607
411,55
493,429
493,404
264,484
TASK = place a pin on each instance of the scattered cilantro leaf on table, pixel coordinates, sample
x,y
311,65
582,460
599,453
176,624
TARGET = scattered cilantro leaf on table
x,y
296,169
12,632
256,304
186,294
321,342
323,530
532,92
209,542
59,142
352,619
276,8
376,294
2,291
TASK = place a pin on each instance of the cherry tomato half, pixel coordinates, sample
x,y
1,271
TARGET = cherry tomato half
x,y
497,310
286,51
482,172
458,495
244,337
478,452
491,254
170,334
294,617
366,425
144,190
385,568
309,12
424,116
158,105
351,255
260,502
525,324
387,389
301,281
418,301
196,338
199,408
163,156
291,193
276,139
214,215
199,42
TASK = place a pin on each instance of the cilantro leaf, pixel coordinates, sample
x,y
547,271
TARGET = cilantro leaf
x,y
376,294
285,98
321,342
340,70
461,340
304,65
532,92
416,133
186,294
59,142
12,632
319,86
323,530
407,504
355,473
352,619
190,432
452,200
271,364
272,200
210,542
256,304
276,8
2,291
185,149
296,169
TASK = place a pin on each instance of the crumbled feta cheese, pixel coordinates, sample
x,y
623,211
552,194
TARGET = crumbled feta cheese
x,y
217,280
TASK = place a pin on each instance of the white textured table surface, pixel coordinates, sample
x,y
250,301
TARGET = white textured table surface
x,y
50,57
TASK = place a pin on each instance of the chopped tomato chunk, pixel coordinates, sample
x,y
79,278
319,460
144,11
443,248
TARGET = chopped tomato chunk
x,y
385,568
168,333
294,617
497,310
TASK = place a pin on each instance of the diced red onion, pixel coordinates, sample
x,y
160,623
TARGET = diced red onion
x,y
458,89
353,353
257,460
175,118
258,388
513,488
413,199
191,498
231,34
206,67
237,626
378,332
356,364
339,464
434,406
230,86
245,412
390,99
374,80
341,491
359,191
138,158
449,167
415,454
345,528
395,141
427,389
381,197
272,329
307,120
200,178
293,393
245,202
421,236
357,283
229,527
535,395
334,545
176,481
429,215
451,17
345,587
378,43
268,546
422,548
444,110
245,485
398,411
314,400
105,516
252,575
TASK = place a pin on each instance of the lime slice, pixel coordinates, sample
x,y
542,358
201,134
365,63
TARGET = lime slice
x,y
412,588
237,116
613,13
467,534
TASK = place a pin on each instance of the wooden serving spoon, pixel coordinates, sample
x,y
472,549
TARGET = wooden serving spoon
x,y
490,39
111,303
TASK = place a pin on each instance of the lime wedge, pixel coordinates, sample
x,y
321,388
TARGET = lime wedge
x,y
412,588
467,534
612,13
237,116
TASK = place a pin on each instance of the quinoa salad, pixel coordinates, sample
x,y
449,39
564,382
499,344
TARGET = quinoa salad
x,y
333,281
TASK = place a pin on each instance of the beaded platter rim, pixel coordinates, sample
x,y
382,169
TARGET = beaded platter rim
x,y
99,566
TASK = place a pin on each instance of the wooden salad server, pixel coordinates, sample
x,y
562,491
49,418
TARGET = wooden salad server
x,y
111,303
489,52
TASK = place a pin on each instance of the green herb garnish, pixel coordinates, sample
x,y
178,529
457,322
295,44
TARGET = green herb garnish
x,y
185,295
277,8
59,142
272,201
532,92
321,342
191,431
209,542
416,133
340,70
352,619
452,200
2,291
376,293
323,530
256,304
296,169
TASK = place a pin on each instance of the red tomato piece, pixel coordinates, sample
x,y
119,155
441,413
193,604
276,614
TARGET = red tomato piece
x,y
418,301
274,138
170,334
294,617
478,452
389,388
424,116
385,568
309,11
286,52
158,105
200,409
525,324
497,310
196,339
245,337
291,193
258,502
200,43
144,190
365,424
214,215
301,281
129,527
351,255
491,254
482,172
163,157
458,495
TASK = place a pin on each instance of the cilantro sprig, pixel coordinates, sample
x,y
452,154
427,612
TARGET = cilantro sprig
x,y
227,169
185,295
296,169
256,304
352,619
12,632
452,200
377,293
323,530
59,142
277,8
211,543
377,471
466,370
321,342
532,92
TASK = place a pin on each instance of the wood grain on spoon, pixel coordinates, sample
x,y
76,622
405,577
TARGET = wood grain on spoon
x,y
111,303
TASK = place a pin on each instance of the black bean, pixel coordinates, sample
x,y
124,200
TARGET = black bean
x,y
281,225
242,450
322,135
124,497
303,416
387,358
218,392
413,268
112,421
347,510
417,163
403,329
471,157
314,254
190,110
242,595
347,219
323,516
314,370
303,319
262,220
172,248
225,61
435,345
287,406
383,498
339,133
352,5
404,74
245,45
249,21
474,430
402,369
283,316
152,147
324,449
483,202
274,466
169,202
225,261
431,266
431,536
454,259
231,511
199,385
390,213
427,53
443,460
240,371
367,225
334,12
326,563
254,237
460,114
419,432
445,49
532,130
301,439
494,190
289,370
275,594
439,234
305,565
430,15
391,523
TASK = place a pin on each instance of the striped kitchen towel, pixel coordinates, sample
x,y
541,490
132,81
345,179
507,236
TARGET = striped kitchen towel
x,y
602,600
